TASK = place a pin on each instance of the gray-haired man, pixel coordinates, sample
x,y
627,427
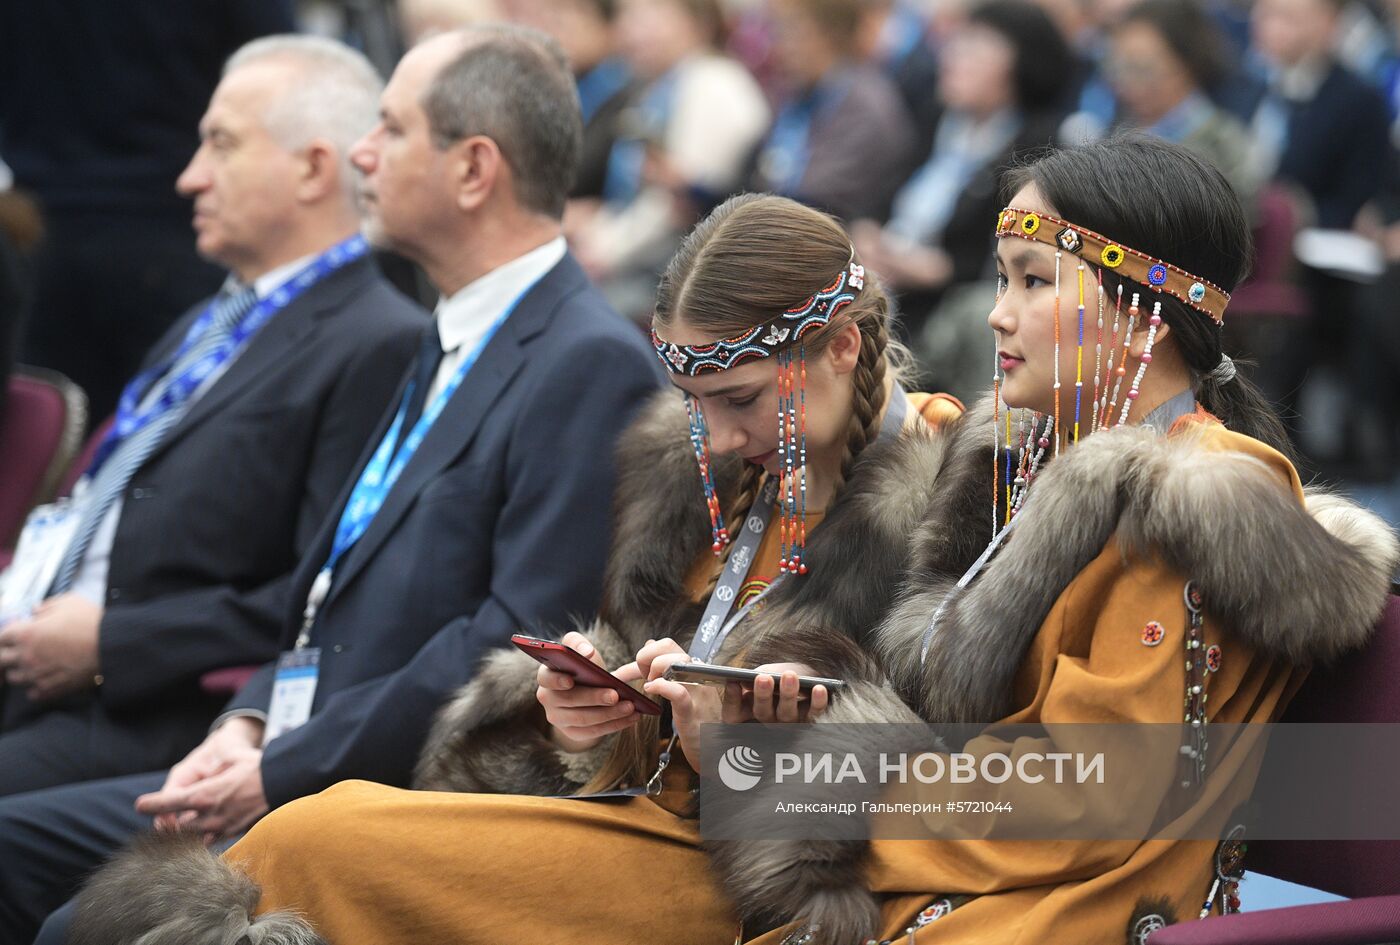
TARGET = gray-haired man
x,y
482,504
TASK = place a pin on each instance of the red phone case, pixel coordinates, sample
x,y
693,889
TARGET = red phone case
x,y
569,661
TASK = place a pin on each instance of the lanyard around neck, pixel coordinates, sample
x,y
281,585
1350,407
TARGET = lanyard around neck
x,y
716,622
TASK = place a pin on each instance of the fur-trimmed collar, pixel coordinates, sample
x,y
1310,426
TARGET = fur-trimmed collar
x,y
1297,582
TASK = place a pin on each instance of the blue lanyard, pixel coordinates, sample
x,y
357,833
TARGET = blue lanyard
x,y
131,418
387,463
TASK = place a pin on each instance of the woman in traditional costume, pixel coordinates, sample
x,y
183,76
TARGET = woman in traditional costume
x,y
1155,560
814,465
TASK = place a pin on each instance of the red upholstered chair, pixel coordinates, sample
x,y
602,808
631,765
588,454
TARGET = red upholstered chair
x,y
1364,687
39,433
226,682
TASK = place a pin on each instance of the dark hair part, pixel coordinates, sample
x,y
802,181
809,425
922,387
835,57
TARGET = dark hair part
x,y
752,258
512,84
1163,200
1190,33
1045,65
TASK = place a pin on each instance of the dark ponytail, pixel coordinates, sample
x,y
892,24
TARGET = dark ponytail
x,y
1163,200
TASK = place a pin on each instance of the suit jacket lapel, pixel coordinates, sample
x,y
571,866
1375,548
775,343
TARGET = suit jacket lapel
x,y
279,340
464,414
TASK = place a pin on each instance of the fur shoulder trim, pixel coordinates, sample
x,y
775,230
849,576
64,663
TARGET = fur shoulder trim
x,y
881,521
489,738
168,889
1299,583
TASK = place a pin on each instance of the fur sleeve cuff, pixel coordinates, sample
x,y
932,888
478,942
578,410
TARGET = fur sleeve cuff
x,y
492,737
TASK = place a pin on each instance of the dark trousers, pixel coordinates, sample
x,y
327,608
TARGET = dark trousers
x,y
50,841
106,286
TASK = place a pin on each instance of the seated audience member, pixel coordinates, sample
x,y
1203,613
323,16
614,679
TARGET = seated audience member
x,y
479,508
760,267
1317,125
1165,57
843,139
895,37
1004,72
1156,562
683,145
176,555
586,31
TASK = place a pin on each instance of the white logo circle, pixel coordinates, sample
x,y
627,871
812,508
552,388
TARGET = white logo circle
x,y
740,768
725,593
755,525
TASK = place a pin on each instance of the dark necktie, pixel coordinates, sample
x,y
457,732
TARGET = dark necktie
x,y
429,357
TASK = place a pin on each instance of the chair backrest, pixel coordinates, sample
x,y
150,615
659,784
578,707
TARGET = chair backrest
x,y
1271,290
84,458
43,425
1362,687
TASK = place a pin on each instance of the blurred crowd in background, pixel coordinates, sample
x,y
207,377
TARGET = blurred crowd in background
x,y
898,116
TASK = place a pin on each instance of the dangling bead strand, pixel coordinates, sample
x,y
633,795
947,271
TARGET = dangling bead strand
x,y
1079,357
1112,351
1098,362
799,564
1057,352
996,437
1144,361
1042,444
700,441
782,464
1008,465
1122,370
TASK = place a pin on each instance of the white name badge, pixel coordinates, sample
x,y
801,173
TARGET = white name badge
x,y
293,690
42,544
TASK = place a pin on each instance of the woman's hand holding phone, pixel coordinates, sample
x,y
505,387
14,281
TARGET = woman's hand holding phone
x,y
783,702
581,715
691,706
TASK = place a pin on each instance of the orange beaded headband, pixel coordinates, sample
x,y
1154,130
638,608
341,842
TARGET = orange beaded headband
x,y
1100,251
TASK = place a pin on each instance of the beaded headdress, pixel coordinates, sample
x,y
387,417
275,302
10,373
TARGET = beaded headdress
x,y
765,339
1040,433
782,339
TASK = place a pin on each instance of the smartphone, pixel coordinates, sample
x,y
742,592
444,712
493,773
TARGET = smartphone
x,y
705,673
570,662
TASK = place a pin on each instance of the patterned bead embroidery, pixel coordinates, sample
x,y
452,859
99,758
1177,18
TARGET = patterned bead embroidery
x,y
1157,275
1229,871
1029,224
937,910
1197,293
1213,659
1069,240
1152,633
1196,744
1145,927
1112,256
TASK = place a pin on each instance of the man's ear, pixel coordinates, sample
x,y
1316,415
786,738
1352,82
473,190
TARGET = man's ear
x,y
477,166
320,171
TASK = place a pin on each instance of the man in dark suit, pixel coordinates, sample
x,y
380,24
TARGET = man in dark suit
x,y
1316,124
480,507
231,445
